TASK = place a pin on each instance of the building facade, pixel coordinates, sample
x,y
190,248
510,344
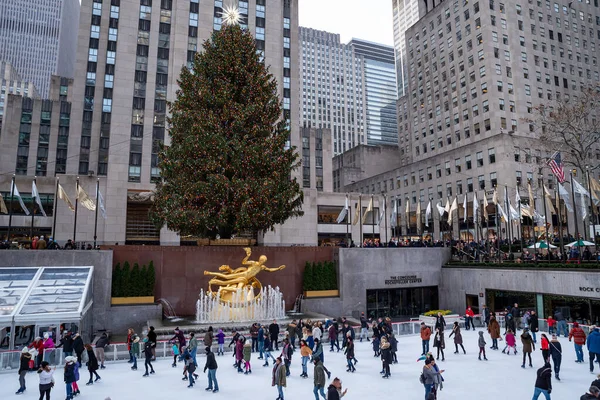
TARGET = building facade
x,y
12,83
406,13
333,95
476,72
37,37
380,91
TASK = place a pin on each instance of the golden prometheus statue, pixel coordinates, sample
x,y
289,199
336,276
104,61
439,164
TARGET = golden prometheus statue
x,y
230,281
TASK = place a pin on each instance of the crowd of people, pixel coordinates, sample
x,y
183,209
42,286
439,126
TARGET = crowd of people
x,y
40,243
304,340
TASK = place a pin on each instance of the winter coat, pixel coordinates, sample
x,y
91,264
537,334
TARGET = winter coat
x,y
559,316
211,362
279,378
332,332
469,312
152,336
208,338
481,340
551,322
430,375
528,345
386,352
588,396
349,350
593,341
457,335
494,328
393,343
148,350
48,343
180,338
76,369
319,374
268,346
534,323
511,340
332,393
516,313
438,341
239,350
274,331
247,350
318,351
316,333
92,363
291,329
578,335
544,343
67,343
544,377
220,337
555,350
102,342
305,351
193,345
78,345
440,322
24,362
425,333
254,331
69,373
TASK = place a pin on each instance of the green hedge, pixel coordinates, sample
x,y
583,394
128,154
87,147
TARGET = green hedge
x,y
434,313
320,276
133,282
530,265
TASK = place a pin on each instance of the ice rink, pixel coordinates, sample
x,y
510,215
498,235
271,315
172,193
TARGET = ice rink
x,y
465,378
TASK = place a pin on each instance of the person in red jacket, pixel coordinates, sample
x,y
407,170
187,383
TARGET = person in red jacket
x,y
551,325
579,338
545,347
469,315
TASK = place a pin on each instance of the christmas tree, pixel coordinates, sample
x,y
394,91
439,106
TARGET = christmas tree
x,y
227,168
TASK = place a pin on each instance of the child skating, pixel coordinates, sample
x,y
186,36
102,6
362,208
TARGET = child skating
x,y
175,349
481,343
247,353
220,342
511,343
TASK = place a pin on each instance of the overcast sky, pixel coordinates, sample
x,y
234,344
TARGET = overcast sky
x,y
362,19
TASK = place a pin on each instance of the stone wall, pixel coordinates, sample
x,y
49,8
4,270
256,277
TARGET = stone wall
x,y
180,270
457,282
134,316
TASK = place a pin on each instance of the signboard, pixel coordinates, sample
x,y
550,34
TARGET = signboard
x,y
403,280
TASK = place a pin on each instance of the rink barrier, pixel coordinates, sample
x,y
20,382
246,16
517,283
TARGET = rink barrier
x,y
114,352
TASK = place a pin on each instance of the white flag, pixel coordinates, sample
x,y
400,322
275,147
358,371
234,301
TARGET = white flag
x,y
367,211
381,213
475,206
485,205
407,213
84,199
16,193
36,196
394,216
502,213
465,207
428,214
565,196
580,189
419,217
453,208
3,208
340,217
441,210
63,196
517,197
103,210
514,214
447,206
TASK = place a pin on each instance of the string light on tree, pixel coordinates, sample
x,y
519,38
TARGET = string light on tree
x,y
231,15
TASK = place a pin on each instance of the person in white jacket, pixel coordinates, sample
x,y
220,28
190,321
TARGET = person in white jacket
x,y
46,379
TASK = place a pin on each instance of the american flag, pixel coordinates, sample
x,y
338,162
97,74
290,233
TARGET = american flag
x,y
557,167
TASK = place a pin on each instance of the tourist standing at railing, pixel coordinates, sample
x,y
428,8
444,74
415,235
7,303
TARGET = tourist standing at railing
x,y
458,341
23,369
48,345
425,338
551,325
92,365
38,345
67,344
494,331
211,366
534,324
152,339
148,355
130,333
578,336
561,324
101,344
593,345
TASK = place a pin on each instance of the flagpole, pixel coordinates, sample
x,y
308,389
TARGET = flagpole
x,y
76,204
498,228
592,216
32,212
521,225
575,215
385,219
10,212
54,211
532,208
373,222
96,217
360,221
508,222
348,215
559,206
545,212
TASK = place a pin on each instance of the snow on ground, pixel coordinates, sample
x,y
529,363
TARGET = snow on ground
x,y
465,377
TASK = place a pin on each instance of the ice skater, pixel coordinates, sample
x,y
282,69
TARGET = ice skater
x,y
494,331
511,343
528,347
376,346
247,350
319,379
92,365
175,350
189,369
458,341
349,352
305,353
545,347
543,382
481,343
386,357
220,341
148,354
211,366
279,377
439,342
23,369
135,351
556,354
268,350
425,337
69,376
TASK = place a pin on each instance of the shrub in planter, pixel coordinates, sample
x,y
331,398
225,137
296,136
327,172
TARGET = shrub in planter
x,y
434,313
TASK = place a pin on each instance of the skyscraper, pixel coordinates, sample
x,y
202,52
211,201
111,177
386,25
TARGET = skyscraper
x,y
406,13
38,38
379,76
333,95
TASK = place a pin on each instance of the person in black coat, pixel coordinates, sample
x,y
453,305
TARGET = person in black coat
x,y
152,339
386,357
92,365
23,369
334,391
543,382
556,354
533,325
66,342
149,349
274,333
211,366
440,322
78,346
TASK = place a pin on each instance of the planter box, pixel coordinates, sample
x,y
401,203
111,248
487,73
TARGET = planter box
x,y
132,300
233,242
430,321
321,293
202,242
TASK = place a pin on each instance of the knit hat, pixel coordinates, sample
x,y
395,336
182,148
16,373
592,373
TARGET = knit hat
x,y
575,324
316,359
25,350
70,359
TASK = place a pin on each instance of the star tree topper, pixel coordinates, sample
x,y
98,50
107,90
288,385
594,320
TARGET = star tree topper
x,y
231,15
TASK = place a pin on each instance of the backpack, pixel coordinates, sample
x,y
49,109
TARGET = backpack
x,y
422,378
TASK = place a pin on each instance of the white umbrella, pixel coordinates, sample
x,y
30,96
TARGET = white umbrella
x,y
541,245
580,243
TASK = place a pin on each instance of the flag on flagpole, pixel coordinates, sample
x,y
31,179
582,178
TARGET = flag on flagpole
x,y
428,214
381,213
447,206
16,193
548,199
419,217
84,199
36,196
495,197
594,189
565,196
3,208
356,212
517,197
407,213
394,216
475,207
340,217
580,189
63,196
465,207
441,210
485,206
503,216
453,208
367,211
514,214
103,210
557,167
531,200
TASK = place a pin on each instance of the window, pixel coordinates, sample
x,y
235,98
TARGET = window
x,y
468,162
493,179
481,180
519,177
492,155
479,157
470,185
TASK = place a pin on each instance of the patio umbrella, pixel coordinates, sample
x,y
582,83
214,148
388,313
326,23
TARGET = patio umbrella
x,y
541,245
580,243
